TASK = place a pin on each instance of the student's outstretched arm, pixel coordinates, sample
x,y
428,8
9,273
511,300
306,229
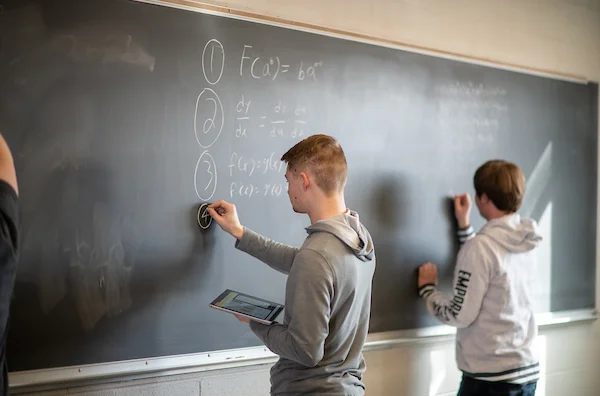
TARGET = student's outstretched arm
x,y
472,276
277,255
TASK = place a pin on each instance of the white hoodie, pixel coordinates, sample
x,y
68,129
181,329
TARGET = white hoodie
x,y
491,305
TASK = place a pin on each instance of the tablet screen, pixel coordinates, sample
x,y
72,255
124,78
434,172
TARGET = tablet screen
x,y
248,305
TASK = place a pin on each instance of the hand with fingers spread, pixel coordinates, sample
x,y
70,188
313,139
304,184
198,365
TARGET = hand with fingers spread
x,y
462,209
225,214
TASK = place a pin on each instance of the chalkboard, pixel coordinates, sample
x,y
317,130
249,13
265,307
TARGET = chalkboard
x,y
124,117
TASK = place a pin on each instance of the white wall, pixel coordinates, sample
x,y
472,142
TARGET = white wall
x,y
558,35
570,359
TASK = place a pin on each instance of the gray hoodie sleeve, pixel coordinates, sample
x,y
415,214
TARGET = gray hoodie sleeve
x,y
310,290
276,255
472,276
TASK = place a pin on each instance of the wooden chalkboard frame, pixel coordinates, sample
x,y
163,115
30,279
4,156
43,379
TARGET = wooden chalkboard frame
x,y
54,378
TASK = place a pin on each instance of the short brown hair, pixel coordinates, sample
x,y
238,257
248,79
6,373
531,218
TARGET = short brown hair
x,y
502,182
323,157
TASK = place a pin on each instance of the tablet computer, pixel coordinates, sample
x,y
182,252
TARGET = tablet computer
x,y
254,308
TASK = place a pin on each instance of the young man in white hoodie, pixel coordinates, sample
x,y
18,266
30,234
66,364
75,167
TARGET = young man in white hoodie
x,y
328,291
491,303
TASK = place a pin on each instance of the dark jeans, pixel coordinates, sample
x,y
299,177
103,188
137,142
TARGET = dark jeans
x,y
473,387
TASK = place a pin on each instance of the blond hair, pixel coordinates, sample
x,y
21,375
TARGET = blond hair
x,y
322,157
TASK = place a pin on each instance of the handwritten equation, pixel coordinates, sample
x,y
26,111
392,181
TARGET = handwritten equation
x,y
477,110
280,121
271,67
250,166
250,120
237,189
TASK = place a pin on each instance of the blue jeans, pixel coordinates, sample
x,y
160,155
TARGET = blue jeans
x,y
473,387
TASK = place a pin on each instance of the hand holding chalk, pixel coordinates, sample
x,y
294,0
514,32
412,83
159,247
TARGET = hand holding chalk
x,y
225,214
462,209
204,218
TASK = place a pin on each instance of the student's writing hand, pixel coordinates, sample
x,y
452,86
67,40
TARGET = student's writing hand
x,y
462,209
225,214
427,275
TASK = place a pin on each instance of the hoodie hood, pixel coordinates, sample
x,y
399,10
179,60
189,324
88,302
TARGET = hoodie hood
x,y
348,229
513,233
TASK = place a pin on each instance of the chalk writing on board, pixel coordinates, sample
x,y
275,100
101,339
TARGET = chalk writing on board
x,y
242,109
298,131
105,47
300,110
280,108
477,110
237,189
251,166
274,189
278,129
471,89
271,67
284,121
309,70
470,105
243,106
208,118
205,177
241,131
213,61
492,108
254,69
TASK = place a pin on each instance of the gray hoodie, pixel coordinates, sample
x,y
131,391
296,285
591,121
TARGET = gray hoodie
x,y
327,307
491,305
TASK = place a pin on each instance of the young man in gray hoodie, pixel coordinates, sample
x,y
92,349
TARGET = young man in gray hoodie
x,y
491,303
328,291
